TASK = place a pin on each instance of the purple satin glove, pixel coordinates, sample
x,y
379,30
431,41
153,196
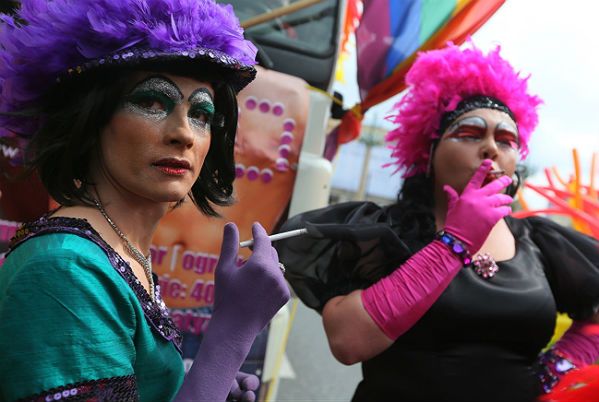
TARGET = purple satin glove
x,y
244,387
253,293
472,215
246,298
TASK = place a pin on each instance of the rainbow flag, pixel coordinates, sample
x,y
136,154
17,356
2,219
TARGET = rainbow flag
x,y
391,31
390,34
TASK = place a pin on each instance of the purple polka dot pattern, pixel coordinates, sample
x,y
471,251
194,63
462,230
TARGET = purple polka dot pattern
x,y
282,164
252,173
266,175
289,125
251,103
239,170
264,106
284,150
286,137
278,109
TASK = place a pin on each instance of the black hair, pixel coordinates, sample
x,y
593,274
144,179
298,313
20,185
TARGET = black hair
x,y
74,112
8,6
517,180
414,209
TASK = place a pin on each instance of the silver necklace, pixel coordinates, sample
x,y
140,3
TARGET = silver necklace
x,y
145,262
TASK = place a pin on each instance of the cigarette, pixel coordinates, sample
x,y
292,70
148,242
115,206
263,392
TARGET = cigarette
x,y
277,236
496,173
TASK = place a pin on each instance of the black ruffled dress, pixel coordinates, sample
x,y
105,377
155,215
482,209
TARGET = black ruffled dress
x,y
479,342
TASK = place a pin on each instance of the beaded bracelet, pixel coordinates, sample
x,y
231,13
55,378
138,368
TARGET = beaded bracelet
x,y
551,366
455,245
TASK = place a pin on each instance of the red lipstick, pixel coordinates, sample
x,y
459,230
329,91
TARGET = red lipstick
x,y
172,166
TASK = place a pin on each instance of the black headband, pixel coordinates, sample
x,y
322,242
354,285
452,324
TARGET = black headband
x,y
471,103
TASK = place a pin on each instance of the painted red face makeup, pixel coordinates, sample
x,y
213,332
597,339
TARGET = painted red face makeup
x,y
473,137
474,128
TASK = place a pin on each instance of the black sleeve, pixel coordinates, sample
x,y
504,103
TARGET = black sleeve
x,y
572,266
349,246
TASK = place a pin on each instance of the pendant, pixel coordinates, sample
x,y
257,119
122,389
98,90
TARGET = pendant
x,y
485,266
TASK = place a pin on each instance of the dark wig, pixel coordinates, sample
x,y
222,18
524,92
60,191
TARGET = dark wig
x,y
75,112
414,207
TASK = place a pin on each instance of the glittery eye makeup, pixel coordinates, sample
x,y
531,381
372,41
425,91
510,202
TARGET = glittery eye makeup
x,y
201,111
200,95
506,134
156,97
153,98
472,127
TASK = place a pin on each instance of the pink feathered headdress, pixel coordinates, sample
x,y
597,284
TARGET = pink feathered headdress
x,y
437,82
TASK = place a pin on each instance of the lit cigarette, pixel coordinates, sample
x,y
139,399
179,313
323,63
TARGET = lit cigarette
x,y
277,236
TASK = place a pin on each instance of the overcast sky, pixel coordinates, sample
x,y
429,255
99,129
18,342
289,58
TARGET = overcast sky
x,y
556,42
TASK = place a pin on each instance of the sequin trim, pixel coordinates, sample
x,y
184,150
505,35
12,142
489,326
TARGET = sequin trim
x,y
552,365
242,74
156,312
107,389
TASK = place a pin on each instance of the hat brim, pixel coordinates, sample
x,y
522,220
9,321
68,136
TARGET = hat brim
x,y
237,74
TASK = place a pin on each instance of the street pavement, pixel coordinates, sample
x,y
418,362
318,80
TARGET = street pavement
x,y
311,373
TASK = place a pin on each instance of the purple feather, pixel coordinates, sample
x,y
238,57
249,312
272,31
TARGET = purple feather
x,y
64,34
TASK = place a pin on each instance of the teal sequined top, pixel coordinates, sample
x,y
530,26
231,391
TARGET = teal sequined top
x,y
76,324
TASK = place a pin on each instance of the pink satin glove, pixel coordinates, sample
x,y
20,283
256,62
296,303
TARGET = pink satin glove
x,y
396,302
472,215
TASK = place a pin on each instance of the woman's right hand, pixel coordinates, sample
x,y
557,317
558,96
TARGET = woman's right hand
x,y
472,215
248,296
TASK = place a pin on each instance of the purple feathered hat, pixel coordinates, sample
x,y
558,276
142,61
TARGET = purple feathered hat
x,y
50,40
